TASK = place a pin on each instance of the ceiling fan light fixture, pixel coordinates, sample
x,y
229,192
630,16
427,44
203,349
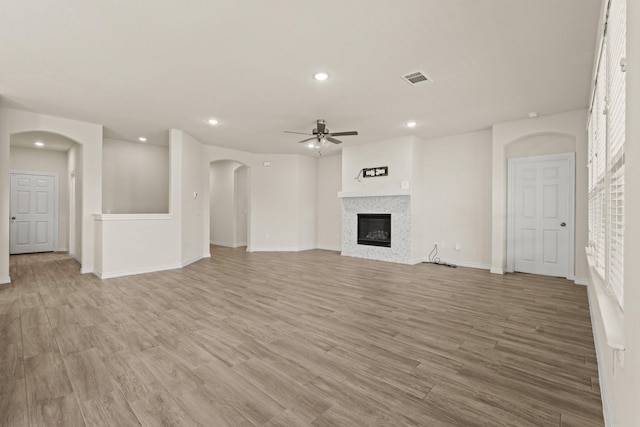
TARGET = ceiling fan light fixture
x,y
321,76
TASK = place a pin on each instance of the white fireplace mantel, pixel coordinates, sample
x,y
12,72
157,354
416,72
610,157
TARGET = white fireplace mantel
x,y
376,193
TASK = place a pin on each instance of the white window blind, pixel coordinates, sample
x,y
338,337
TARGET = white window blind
x,y
606,134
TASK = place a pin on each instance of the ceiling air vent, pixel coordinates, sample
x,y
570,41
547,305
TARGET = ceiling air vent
x,y
416,78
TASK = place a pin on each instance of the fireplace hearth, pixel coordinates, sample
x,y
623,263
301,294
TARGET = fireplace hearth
x,y
374,229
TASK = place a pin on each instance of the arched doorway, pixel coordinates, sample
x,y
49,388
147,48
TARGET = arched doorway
x,y
45,217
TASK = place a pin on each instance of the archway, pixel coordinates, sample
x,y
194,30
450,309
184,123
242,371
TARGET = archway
x,y
44,153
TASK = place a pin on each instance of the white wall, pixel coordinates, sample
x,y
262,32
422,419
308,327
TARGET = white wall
x,y
38,160
307,202
74,166
90,136
195,245
135,177
222,203
396,153
457,190
241,191
560,126
329,212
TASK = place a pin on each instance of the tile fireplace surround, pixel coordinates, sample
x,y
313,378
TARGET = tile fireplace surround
x,y
398,204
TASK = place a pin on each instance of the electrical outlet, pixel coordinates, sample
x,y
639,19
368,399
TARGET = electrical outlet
x,y
457,246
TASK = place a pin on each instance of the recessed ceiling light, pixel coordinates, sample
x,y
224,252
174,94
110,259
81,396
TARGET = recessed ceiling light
x,y
411,124
39,144
212,122
533,115
142,139
321,76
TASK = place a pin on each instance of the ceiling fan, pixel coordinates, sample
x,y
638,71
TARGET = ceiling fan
x,y
322,135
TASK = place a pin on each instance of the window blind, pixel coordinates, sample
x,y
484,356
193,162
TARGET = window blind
x,y
606,133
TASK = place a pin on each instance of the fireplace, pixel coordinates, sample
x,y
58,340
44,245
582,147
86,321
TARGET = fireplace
x,y
374,230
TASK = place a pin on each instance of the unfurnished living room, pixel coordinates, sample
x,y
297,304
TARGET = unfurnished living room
x,y
338,213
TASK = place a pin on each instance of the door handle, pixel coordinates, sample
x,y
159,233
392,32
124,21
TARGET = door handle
x,y
13,218
563,224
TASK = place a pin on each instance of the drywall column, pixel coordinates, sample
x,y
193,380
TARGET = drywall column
x,y
4,201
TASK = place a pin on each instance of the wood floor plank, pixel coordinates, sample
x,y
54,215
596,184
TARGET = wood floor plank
x,y
294,339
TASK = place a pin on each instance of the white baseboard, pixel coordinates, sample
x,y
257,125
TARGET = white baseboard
x,y
86,270
76,257
583,282
278,249
194,259
469,264
329,248
496,270
5,280
113,274
226,244
62,249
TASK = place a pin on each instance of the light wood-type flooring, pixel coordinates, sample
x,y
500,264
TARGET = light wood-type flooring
x,y
293,339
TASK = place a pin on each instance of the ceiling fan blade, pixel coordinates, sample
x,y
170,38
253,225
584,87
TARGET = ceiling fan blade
x,y
353,132
335,141
305,140
299,133
321,126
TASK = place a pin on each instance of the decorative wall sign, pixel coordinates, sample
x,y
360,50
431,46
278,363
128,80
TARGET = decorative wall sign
x,y
374,172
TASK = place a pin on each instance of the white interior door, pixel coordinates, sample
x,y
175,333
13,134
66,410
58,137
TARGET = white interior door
x,y
542,214
33,217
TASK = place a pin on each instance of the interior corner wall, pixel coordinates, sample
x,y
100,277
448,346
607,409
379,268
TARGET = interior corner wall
x,y
456,173
572,124
90,136
135,177
38,160
329,216
222,203
307,202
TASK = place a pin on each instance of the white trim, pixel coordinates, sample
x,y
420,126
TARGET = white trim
x,y
76,257
194,259
62,249
494,270
610,312
111,275
571,243
329,248
281,249
5,280
376,193
467,264
131,217
56,213
604,397
581,282
225,244
86,270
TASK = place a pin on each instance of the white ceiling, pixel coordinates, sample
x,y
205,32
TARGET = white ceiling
x,y
142,67
51,141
